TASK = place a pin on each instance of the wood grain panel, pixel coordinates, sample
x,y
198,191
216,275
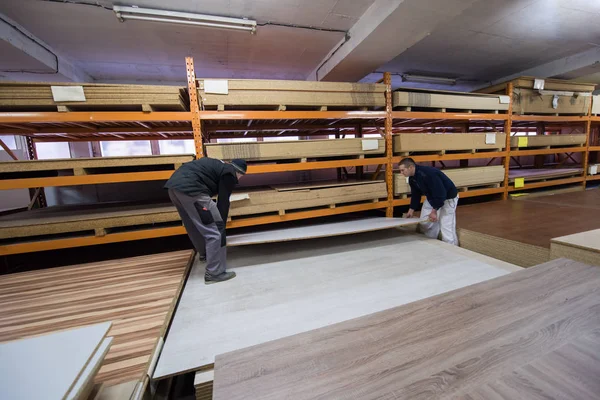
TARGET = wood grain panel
x,y
545,318
137,294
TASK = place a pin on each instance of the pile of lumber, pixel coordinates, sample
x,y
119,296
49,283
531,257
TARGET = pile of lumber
x,y
583,247
462,177
547,140
547,96
406,143
301,149
28,96
540,174
250,93
59,365
408,99
296,196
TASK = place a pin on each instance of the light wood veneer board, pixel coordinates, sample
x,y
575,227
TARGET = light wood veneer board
x,y
121,391
527,82
442,347
583,247
407,142
137,294
550,140
528,101
82,163
318,185
60,219
298,286
48,366
531,221
319,231
532,175
282,150
85,384
462,177
452,100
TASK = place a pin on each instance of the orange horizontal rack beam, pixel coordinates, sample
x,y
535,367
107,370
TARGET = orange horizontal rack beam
x,y
310,165
595,118
455,156
278,115
462,195
447,115
594,148
93,116
516,153
27,183
550,118
536,185
592,178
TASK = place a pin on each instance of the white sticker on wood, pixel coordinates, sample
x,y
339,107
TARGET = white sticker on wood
x,y
490,138
238,197
68,93
504,99
538,84
216,86
593,170
370,144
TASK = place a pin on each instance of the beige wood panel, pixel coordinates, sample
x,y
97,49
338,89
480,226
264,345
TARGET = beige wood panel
x,y
526,101
585,240
447,100
527,82
462,177
441,347
595,105
137,294
82,163
294,98
550,140
407,142
583,247
318,184
256,151
532,175
290,85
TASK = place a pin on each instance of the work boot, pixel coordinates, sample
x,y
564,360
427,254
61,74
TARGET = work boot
x,y
202,258
225,276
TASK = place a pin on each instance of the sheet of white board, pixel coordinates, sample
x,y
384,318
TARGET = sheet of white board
x,y
48,366
287,288
319,230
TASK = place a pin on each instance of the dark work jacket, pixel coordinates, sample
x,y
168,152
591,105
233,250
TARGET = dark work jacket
x,y
433,184
206,176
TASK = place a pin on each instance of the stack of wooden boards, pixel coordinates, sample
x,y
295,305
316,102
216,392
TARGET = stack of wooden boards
x,y
547,96
463,178
541,174
247,93
28,96
528,334
409,99
55,366
316,194
583,247
547,141
407,143
301,149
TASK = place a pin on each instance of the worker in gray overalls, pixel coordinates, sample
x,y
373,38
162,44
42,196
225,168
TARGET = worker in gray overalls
x,y
191,189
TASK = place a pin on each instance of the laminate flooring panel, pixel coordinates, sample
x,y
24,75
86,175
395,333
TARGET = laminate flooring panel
x,y
298,286
529,334
48,366
137,294
320,230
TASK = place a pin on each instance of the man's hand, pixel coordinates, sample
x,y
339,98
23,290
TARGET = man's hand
x,y
410,213
433,217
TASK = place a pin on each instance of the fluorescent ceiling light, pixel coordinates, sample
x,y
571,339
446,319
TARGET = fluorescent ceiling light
x,y
428,79
175,17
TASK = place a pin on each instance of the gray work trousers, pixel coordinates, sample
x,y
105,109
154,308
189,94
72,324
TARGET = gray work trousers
x,y
205,227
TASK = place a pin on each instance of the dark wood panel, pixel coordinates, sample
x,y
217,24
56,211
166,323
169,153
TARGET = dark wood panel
x,y
454,344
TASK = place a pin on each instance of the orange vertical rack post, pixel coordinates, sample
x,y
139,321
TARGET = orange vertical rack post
x,y
194,107
507,131
389,148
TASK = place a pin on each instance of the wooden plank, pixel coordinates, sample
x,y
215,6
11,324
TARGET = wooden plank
x,y
532,175
275,292
48,366
450,100
582,247
85,384
462,177
527,101
550,140
527,82
317,185
294,98
408,142
282,150
136,294
291,85
446,346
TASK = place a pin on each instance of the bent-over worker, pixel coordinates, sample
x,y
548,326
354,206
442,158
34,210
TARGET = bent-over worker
x,y
441,200
191,189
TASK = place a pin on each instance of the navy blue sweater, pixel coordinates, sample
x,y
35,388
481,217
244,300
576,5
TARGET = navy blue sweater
x,y
433,184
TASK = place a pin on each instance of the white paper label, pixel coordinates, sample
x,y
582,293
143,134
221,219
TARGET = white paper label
x,y
407,178
370,144
593,170
239,196
538,84
67,93
216,86
504,99
490,138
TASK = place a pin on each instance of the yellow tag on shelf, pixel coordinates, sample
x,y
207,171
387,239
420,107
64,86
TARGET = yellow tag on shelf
x,y
522,142
519,183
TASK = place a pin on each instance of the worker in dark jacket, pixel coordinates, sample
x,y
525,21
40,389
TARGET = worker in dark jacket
x,y
439,208
191,189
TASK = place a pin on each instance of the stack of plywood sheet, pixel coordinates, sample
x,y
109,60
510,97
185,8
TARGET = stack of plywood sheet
x,y
296,196
248,93
532,175
462,177
547,96
408,99
59,365
583,247
303,149
203,385
406,143
547,141
101,97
